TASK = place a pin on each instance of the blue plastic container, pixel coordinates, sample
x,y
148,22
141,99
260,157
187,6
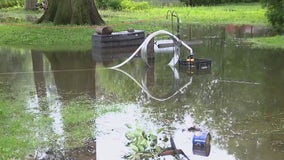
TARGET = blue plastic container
x,y
201,143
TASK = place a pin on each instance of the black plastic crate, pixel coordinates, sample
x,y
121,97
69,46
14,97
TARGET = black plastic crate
x,y
202,64
198,64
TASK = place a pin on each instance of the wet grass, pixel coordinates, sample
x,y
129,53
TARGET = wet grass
x,y
78,122
12,132
17,32
17,129
79,119
275,42
23,132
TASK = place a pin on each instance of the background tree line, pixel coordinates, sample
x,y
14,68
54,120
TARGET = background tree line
x,y
11,3
213,2
275,13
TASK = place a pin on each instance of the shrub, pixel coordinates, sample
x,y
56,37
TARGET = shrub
x,y
212,2
275,13
11,3
131,5
109,4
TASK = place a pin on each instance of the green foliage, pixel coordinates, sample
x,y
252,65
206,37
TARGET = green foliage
x,y
109,4
131,5
11,3
143,144
212,2
275,13
122,4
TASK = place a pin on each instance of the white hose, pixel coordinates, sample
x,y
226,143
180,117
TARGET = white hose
x,y
143,48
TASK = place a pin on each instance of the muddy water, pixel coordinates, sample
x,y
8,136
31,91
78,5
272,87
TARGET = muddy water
x,y
239,101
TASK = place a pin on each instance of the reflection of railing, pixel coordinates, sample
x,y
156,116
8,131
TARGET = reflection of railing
x,y
143,86
174,14
143,48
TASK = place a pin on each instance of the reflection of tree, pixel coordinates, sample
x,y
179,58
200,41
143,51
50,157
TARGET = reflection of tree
x,y
38,69
274,79
212,35
74,73
74,76
15,60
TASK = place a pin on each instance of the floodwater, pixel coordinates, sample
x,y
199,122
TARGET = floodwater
x,y
239,100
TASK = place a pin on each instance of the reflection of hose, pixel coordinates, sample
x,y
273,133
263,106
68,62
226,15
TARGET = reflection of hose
x,y
145,89
143,48
234,81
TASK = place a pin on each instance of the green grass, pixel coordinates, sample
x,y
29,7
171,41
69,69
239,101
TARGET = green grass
x,y
23,132
45,37
275,42
17,135
78,122
224,14
21,34
79,115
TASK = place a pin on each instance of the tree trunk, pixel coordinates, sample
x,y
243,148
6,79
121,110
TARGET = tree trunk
x,y
71,12
31,4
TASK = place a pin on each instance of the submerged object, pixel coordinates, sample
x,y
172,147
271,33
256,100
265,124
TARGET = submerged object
x,y
201,143
118,39
108,45
198,63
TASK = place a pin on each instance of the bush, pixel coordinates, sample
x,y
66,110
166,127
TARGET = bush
x,y
109,4
275,13
115,4
212,2
11,3
122,4
131,5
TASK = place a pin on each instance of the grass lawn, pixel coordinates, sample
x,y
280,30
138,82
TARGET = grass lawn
x,y
22,34
268,42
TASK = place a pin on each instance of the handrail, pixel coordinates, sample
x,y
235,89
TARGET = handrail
x,y
174,14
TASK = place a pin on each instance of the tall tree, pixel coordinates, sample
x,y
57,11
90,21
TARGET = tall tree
x,y
71,12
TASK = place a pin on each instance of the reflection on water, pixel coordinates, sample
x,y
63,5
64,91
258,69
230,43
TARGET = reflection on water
x,y
144,85
240,101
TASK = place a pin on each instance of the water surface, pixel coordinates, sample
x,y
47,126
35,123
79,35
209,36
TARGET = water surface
x,y
239,101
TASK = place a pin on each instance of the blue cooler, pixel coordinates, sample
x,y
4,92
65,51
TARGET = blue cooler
x,y
201,143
